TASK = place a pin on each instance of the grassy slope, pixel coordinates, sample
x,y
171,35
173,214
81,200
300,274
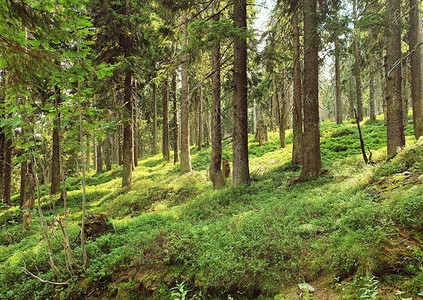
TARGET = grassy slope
x,y
336,231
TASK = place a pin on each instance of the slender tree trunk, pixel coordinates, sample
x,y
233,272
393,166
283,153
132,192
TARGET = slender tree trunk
x,y
165,139
175,121
2,164
215,170
297,98
241,173
87,155
154,119
395,129
200,119
384,88
194,122
135,135
185,132
372,101
94,154
416,67
99,158
7,179
338,99
312,163
351,99
24,168
55,162
127,132
281,109
357,68
107,152
142,142
127,148
254,116
405,90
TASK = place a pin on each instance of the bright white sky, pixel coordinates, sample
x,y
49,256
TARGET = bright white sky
x,y
264,8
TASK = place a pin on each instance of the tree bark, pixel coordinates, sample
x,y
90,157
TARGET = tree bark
x,y
372,101
395,126
127,132
241,173
339,116
135,135
357,67
24,167
312,163
99,161
7,179
175,121
384,91
154,119
215,170
55,161
142,138
107,152
2,164
165,139
416,67
281,109
185,132
200,119
297,98
351,99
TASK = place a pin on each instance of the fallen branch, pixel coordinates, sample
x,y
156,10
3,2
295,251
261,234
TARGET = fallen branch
x,y
42,280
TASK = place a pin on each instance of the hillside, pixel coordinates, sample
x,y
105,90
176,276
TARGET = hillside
x,y
354,232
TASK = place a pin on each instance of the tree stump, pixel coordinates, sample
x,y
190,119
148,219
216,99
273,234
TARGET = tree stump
x,y
261,134
96,225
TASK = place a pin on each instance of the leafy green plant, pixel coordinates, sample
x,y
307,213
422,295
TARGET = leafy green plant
x,y
179,292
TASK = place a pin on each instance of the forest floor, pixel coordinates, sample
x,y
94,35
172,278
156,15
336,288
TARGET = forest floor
x,y
354,232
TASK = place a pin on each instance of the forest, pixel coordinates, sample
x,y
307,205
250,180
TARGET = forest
x,y
216,149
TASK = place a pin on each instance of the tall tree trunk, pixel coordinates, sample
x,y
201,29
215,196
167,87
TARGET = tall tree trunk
x,y
55,161
99,158
175,121
24,169
2,164
7,179
351,99
405,90
254,116
357,68
395,129
200,119
165,139
338,99
87,155
127,148
107,152
135,135
215,170
281,109
416,68
127,132
94,154
372,101
297,98
154,119
185,132
384,89
142,139
241,173
312,163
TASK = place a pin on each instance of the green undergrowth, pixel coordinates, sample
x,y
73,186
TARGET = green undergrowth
x,y
354,231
